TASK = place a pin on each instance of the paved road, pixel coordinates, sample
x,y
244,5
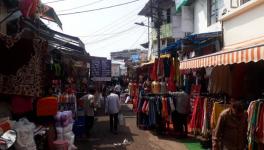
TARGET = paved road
x,y
102,139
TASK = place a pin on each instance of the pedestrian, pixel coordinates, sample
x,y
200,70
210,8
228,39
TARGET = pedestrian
x,y
112,108
89,106
231,129
181,113
117,89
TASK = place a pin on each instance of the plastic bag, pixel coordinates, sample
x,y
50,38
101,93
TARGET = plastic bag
x,y
121,119
25,135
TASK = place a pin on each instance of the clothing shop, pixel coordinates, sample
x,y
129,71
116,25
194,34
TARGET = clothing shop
x,y
214,79
41,79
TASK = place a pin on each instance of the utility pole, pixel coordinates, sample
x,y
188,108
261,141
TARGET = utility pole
x,y
157,20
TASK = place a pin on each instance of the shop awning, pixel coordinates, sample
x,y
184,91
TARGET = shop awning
x,y
179,4
251,54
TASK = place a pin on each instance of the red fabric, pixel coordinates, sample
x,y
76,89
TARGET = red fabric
x,y
196,122
161,68
21,104
153,74
164,113
28,8
171,84
47,106
5,126
135,104
144,107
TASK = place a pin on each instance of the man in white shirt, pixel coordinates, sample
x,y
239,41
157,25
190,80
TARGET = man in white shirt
x,y
117,89
89,105
112,107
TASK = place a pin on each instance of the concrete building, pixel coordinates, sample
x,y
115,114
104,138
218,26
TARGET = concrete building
x,y
169,30
243,26
133,55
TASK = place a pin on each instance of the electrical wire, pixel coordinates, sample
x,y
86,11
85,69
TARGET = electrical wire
x,y
54,1
115,28
140,36
102,8
117,22
104,34
107,38
89,4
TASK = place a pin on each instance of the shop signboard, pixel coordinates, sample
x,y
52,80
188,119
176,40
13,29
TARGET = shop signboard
x,y
100,69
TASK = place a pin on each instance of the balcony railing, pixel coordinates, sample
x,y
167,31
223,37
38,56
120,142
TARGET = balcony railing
x,y
165,32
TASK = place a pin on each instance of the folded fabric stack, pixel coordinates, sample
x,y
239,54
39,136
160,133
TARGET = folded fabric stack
x,y
64,126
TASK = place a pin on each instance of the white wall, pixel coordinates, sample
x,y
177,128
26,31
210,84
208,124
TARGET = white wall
x,y
200,18
246,26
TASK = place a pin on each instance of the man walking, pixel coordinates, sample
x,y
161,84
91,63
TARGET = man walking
x,y
231,129
89,105
112,107
182,110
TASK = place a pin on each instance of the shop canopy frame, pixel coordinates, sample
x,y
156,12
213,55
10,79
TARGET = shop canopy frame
x,y
225,57
56,40
197,39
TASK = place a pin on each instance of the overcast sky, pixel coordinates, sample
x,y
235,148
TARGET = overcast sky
x,y
103,31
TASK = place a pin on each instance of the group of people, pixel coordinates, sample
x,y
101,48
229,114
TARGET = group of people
x,y
112,108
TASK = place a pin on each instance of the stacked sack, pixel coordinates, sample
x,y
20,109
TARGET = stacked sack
x,y
64,125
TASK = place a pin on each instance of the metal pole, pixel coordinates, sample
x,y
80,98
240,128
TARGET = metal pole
x,y
158,27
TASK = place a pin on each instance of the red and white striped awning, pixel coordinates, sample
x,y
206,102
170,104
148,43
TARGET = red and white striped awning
x,y
253,54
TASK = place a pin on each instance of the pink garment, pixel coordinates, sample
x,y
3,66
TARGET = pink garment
x,y
260,126
21,104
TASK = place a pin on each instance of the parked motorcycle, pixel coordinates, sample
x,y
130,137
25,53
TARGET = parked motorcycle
x,y
8,139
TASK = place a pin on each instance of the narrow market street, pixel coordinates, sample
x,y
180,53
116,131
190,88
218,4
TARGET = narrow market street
x,y
102,139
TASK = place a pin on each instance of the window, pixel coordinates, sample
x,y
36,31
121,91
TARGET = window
x,y
168,15
243,1
212,13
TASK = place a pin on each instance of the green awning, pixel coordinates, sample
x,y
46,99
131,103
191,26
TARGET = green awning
x,y
179,4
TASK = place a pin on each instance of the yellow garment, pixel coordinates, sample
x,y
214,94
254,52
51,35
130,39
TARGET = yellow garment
x,y
217,109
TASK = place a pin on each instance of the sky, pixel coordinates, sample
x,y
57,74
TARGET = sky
x,y
102,31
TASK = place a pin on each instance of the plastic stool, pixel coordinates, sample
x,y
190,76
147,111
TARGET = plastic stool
x,y
61,145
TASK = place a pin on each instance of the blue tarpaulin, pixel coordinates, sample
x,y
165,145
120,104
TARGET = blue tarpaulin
x,y
197,39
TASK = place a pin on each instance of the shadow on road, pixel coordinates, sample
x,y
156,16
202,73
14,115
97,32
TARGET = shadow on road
x,y
101,138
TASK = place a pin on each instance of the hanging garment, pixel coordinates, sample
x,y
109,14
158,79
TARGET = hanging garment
x,y
160,68
217,109
21,104
171,83
167,64
260,126
172,106
163,88
164,108
152,111
28,8
25,75
153,74
238,75
197,115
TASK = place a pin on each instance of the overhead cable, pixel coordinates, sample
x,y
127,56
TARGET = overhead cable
x,y
89,4
78,12
94,42
140,36
54,1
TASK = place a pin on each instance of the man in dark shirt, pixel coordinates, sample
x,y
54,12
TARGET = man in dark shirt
x,y
231,129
